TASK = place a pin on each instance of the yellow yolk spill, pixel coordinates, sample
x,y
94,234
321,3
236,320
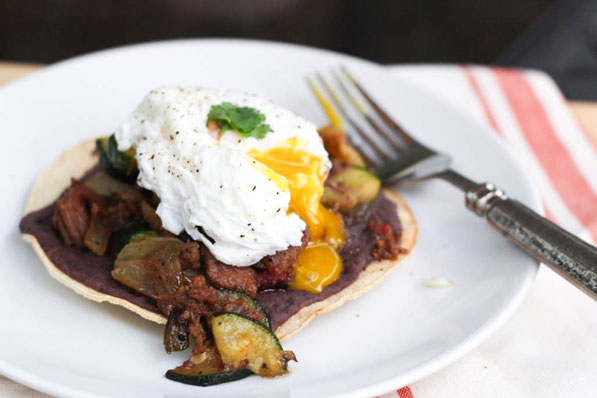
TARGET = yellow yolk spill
x,y
319,265
293,168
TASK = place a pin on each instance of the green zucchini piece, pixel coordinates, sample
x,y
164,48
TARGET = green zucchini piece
x,y
248,305
351,187
206,369
121,165
242,340
205,377
129,233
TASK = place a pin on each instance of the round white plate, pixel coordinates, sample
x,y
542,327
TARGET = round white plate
x,y
63,344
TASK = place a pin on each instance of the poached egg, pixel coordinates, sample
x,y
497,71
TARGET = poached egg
x,y
242,197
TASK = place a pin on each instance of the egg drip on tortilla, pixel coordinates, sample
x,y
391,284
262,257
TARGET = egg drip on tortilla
x,y
294,169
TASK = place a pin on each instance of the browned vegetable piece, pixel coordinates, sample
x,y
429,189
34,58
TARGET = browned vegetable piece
x,y
338,147
106,185
176,334
188,275
150,266
97,236
150,216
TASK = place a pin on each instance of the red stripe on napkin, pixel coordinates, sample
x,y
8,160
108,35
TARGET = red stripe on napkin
x,y
482,100
555,160
405,392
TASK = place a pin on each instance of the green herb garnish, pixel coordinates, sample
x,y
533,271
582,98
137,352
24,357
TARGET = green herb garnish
x,y
247,122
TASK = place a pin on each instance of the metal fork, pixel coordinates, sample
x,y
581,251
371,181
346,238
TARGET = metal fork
x,y
397,157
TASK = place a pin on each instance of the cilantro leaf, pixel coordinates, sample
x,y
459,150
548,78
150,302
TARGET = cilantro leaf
x,y
260,131
246,121
221,115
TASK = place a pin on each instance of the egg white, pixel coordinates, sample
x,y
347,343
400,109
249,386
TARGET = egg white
x,y
212,183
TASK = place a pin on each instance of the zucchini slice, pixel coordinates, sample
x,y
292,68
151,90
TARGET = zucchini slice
x,y
129,233
121,165
206,369
244,300
351,187
242,340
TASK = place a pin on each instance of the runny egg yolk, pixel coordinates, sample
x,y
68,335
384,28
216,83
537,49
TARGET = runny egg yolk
x,y
293,169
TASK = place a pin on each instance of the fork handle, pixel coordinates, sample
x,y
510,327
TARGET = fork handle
x,y
563,252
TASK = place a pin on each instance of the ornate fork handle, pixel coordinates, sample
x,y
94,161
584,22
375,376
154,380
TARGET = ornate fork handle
x,y
563,252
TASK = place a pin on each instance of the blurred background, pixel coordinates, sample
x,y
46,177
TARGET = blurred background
x,y
508,32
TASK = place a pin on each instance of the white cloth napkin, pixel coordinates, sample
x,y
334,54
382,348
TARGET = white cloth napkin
x,y
549,346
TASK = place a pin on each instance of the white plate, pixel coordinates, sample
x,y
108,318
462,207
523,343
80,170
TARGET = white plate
x,y
58,342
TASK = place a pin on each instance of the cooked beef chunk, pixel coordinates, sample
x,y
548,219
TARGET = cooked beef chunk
x,y
190,256
225,276
120,212
277,270
149,215
71,215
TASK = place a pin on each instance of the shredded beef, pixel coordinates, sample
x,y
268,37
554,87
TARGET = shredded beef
x,y
276,271
197,297
121,212
198,300
387,243
190,256
81,208
71,215
225,276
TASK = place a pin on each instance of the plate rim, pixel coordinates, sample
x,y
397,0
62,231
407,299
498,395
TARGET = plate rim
x,y
418,372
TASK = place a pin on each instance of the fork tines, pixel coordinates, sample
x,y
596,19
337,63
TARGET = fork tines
x,y
379,137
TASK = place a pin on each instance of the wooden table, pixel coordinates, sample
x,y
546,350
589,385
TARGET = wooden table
x,y
586,112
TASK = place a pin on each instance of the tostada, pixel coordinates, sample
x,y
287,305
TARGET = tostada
x,y
224,216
